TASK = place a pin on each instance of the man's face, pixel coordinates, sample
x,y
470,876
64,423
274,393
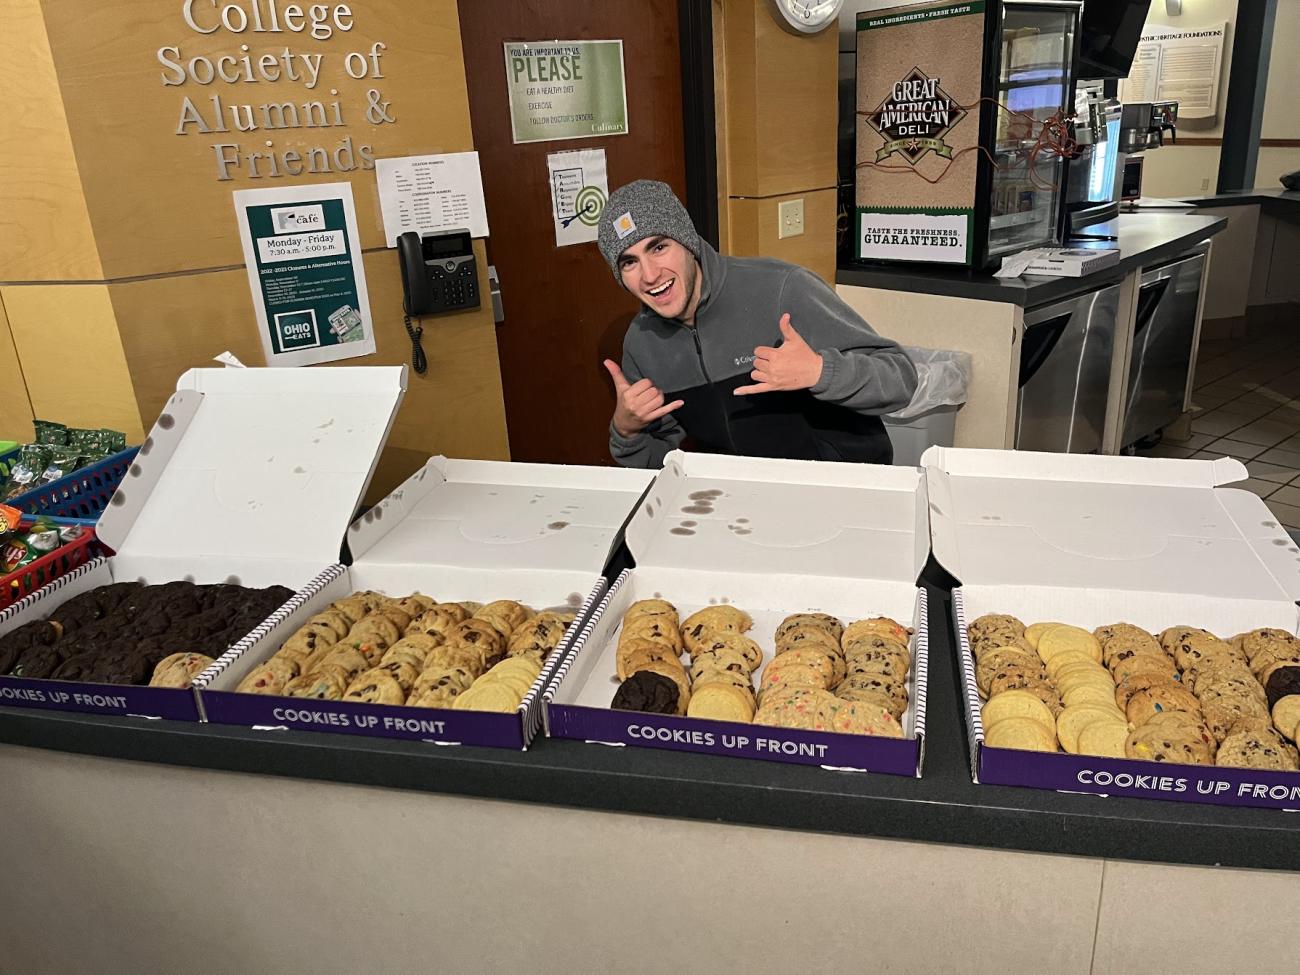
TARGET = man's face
x,y
664,275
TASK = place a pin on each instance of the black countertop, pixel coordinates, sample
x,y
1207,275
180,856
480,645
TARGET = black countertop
x,y
944,806
1143,239
1273,200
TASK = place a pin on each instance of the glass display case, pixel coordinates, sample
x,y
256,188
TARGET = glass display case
x,y
1034,86
961,120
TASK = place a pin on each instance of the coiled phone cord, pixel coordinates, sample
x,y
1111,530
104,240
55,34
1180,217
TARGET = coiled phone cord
x,y
418,362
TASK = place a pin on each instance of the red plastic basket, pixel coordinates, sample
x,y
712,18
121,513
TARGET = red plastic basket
x,y
22,582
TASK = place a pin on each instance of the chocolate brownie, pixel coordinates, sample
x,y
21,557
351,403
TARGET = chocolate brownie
x,y
1283,681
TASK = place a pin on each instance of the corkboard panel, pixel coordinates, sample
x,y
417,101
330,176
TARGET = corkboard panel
x,y
754,227
15,407
154,198
67,341
782,111
45,232
950,49
172,324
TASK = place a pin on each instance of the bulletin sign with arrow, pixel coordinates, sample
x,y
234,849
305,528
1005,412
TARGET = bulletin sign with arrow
x,y
579,189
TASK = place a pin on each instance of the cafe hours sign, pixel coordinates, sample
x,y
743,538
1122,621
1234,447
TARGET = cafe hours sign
x,y
565,89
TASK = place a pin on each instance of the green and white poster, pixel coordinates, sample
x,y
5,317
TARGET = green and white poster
x,y
565,89
303,254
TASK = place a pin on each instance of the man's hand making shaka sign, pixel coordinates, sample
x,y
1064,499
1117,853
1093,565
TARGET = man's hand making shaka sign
x,y
794,365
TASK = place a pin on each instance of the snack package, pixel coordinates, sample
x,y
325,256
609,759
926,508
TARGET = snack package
x,y
30,465
112,440
9,520
63,461
49,432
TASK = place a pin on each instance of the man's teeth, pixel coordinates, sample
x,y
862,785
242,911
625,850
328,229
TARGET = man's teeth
x,y
660,290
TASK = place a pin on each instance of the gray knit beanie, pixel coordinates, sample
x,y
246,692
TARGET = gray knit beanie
x,y
644,208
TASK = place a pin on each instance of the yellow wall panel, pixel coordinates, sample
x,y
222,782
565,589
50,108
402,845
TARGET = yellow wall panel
x,y
154,195
45,230
754,228
172,324
782,104
15,407
67,341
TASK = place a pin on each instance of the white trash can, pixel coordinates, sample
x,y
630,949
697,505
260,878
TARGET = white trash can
x,y
943,378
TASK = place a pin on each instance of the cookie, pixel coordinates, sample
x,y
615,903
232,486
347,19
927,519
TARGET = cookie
x,y
505,614
795,707
1017,704
737,642
649,692
488,697
697,627
350,659
652,607
1156,699
859,718
375,687
402,671
467,658
439,619
1024,734
338,623
1262,748
722,658
857,685
180,669
1224,714
636,653
1173,740
444,681
777,674
268,678
1286,715
995,661
995,623
1068,639
1103,739
824,620
326,685
1034,632
1072,721
720,702
478,633
659,629
309,639
1280,683
376,627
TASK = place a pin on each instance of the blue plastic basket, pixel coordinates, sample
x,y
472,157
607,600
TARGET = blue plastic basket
x,y
82,495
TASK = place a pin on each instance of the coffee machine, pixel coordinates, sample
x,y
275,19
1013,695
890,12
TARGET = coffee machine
x,y
1142,128
1093,181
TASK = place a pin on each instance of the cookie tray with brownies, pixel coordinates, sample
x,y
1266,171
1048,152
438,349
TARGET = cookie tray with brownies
x,y
772,613
1126,626
239,496
465,591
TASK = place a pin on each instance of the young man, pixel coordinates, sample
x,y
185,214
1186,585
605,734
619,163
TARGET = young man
x,y
748,356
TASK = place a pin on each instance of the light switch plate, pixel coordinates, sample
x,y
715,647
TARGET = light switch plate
x,y
790,218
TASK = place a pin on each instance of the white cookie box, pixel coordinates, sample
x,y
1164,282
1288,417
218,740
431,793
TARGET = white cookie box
x,y
1093,540
456,530
249,476
772,537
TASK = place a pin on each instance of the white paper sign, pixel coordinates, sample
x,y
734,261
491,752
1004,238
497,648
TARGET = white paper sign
x,y
431,193
1179,66
913,237
302,250
579,190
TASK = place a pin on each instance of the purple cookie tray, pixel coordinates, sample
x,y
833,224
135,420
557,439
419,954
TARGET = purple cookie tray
x,y
894,756
443,725
1218,785
177,704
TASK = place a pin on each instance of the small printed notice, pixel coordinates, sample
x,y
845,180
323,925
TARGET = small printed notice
x,y
1177,65
579,189
302,250
565,89
429,194
913,236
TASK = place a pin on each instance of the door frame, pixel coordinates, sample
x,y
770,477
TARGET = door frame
x,y
699,119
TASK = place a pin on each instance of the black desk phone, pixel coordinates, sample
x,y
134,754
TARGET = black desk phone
x,y
439,274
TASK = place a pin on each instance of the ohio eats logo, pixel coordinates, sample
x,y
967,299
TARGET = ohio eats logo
x,y
914,118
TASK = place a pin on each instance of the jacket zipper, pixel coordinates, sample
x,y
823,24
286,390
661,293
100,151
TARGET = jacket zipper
x,y
722,408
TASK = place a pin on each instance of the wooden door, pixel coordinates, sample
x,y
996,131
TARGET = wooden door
x,y
564,311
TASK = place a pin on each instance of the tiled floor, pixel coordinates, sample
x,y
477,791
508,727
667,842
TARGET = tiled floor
x,y
1248,393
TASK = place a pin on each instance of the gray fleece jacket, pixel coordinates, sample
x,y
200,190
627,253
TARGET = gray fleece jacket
x,y
741,303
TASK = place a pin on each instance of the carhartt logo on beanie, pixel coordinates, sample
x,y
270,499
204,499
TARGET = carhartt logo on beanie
x,y
641,209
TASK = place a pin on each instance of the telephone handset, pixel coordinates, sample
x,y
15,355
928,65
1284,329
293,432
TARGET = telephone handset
x,y
439,274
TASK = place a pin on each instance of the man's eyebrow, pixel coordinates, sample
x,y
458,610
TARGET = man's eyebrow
x,y
656,240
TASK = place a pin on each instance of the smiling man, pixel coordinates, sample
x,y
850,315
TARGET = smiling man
x,y
748,356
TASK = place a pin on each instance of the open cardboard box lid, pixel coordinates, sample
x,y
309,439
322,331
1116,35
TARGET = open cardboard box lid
x,y
474,514
1000,518
257,468
715,513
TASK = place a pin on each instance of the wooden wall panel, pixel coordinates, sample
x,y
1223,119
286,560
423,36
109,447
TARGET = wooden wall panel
x,y
154,197
755,226
66,338
172,324
45,230
783,104
15,407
